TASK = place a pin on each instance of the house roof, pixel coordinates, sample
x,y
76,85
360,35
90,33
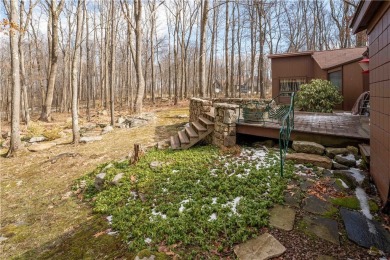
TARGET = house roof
x,y
365,11
328,59
334,58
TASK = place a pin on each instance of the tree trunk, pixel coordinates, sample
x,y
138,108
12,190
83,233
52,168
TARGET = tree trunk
x,y
202,50
138,53
54,14
75,61
15,75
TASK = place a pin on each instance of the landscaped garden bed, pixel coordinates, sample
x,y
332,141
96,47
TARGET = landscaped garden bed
x,y
195,202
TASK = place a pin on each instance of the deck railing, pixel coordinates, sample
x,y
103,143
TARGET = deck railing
x,y
263,111
287,125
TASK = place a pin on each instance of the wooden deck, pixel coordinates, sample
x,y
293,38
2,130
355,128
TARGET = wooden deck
x,y
334,129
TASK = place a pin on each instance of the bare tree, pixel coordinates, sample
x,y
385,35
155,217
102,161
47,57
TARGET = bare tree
x,y
55,10
202,50
12,10
75,61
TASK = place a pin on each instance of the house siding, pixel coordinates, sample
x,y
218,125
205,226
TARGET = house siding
x,y
353,84
290,67
379,52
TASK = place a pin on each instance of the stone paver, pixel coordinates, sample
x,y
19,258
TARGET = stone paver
x,y
323,228
365,232
315,205
260,248
282,217
292,199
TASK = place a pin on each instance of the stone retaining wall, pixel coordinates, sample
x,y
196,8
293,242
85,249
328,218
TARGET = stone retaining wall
x,y
198,107
225,124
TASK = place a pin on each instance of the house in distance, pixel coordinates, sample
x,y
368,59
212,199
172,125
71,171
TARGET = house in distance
x,y
290,70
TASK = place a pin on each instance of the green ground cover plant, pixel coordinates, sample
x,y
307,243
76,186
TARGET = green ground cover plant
x,y
318,96
198,199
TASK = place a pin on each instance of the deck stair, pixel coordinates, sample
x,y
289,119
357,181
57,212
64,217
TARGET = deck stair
x,y
193,133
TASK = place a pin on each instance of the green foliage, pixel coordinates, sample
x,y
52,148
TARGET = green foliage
x,y
318,96
175,203
353,203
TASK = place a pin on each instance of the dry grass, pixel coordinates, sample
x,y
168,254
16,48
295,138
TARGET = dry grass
x,y
38,208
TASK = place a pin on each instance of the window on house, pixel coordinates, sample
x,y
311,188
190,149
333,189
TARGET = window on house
x,y
336,78
291,84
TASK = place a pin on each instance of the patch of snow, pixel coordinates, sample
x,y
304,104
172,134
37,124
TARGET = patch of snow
x,y
349,156
343,184
112,233
182,208
154,213
198,181
365,208
134,194
164,189
213,217
148,240
109,219
233,205
359,162
175,171
19,183
357,174
212,172
214,200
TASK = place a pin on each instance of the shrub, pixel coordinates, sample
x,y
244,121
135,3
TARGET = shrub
x,y
318,96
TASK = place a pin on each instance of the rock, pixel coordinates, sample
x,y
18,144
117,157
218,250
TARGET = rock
x,y
348,160
314,159
323,228
308,147
36,147
260,248
3,238
306,184
282,217
292,199
121,120
327,173
5,135
89,126
117,179
155,165
354,150
332,152
100,180
152,257
267,143
107,129
37,139
338,166
346,177
104,112
163,144
314,205
365,232
88,139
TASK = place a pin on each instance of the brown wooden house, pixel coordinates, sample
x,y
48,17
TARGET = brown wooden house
x,y
341,67
374,16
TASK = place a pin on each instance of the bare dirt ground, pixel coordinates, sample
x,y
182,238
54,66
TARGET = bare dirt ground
x,y
38,208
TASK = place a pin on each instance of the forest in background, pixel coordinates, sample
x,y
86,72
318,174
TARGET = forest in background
x,y
64,56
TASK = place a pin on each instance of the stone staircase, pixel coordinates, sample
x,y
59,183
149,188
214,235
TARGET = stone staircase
x,y
194,132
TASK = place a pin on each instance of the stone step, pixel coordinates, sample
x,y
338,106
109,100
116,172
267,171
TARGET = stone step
x,y
198,127
191,132
205,121
210,116
175,142
183,137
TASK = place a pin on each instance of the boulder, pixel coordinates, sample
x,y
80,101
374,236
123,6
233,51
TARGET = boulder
x,y
117,179
121,120
100,180
317,160
88,139
308,147
37,139
348,160
332,152
107,129
338,166
346,177
156,164
36,147
354,150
